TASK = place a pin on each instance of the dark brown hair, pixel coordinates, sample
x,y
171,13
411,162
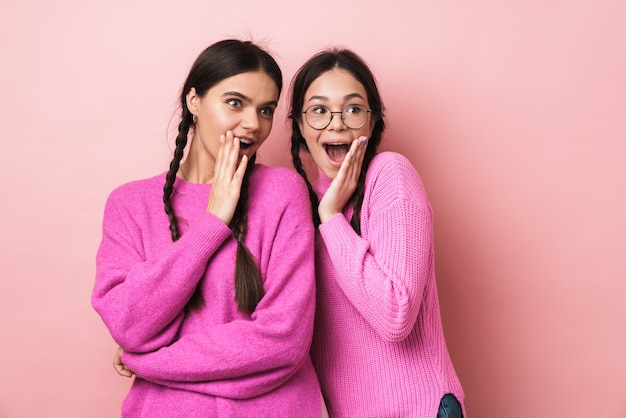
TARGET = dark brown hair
x,y
219,61
316,66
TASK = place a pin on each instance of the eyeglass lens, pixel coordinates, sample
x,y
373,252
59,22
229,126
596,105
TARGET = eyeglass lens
x,y
353,116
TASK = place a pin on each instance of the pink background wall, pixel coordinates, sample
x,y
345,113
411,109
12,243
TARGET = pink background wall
x,y
514,113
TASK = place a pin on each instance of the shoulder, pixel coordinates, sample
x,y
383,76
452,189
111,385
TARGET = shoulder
x,y
391,162
278,189
277,181
392,175
137,191
279,175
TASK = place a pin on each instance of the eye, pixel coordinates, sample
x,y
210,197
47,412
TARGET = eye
x,y
353,109
267,111
235,103
319,110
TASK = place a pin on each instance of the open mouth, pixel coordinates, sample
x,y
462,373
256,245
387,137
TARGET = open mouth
x,y
337,152
244,144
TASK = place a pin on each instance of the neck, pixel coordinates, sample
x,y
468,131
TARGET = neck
x,y
191,174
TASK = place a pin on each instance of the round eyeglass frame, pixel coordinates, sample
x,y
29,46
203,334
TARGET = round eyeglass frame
x,y
332,115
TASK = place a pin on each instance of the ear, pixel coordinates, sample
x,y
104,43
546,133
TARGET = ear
x,y
192,100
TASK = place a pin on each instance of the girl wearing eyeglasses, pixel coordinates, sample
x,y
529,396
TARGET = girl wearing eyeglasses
x,y
378,345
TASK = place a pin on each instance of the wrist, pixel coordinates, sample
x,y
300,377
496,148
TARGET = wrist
x,y
326,216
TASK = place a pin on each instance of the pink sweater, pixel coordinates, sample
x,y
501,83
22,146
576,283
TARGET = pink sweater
x,y
378,344
216,361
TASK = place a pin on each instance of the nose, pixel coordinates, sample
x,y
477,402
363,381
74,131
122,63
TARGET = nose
x,y
336,121
250,120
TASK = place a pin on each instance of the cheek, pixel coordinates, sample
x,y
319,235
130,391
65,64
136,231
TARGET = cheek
x,y
311,137
216,119
370,129
266,128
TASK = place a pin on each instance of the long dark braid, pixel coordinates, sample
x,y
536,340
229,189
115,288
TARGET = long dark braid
x,y
248,284
196,301
359,192
297,164
170,177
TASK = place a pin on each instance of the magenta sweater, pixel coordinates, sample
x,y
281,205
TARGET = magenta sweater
x,y
216,361
378,344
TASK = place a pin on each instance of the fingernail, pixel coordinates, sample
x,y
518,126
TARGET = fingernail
x,y
364,140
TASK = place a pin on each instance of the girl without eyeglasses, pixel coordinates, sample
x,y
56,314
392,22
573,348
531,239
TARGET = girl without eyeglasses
x,y
205,274
378,344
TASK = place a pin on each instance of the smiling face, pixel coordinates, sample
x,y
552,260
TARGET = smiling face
x,y
244,104
336,90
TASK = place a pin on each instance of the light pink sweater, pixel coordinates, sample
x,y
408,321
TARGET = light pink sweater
x,y
216,361
378,344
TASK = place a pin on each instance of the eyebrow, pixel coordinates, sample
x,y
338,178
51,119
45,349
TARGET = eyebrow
x,y
346,97
248,99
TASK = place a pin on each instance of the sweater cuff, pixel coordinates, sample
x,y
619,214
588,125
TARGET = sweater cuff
x,y
209,232
340,238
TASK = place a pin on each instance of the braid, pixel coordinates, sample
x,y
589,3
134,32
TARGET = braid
x,y
168,188
297,164
248,284
357,196
196,301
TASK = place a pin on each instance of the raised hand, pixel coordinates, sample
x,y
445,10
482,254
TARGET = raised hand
x,y
344,184
227,179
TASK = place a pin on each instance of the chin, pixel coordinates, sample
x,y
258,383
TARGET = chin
x,y
331,173
248,153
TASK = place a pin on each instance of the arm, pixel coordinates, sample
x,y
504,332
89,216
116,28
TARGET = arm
x,y
250,356
384,273
141,300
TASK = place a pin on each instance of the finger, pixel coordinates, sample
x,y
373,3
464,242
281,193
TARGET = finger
x,y
220,150
218,159
360,155
119,366
117,357
123,371
350,162
225,160
241,170
234,154
348,159
230,157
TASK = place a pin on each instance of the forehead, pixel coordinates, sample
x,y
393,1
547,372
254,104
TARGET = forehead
x,y
256,85
336,83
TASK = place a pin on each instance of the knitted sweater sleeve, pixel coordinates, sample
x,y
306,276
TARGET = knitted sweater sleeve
x,y
383,274
142,300
248,357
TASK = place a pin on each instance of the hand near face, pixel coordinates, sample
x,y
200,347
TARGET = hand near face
x,y
227,179
119,366
344,184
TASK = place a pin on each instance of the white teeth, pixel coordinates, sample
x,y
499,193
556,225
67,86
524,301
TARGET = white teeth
x,y
245,141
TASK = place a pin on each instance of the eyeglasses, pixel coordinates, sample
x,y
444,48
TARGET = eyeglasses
x,y
353,116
